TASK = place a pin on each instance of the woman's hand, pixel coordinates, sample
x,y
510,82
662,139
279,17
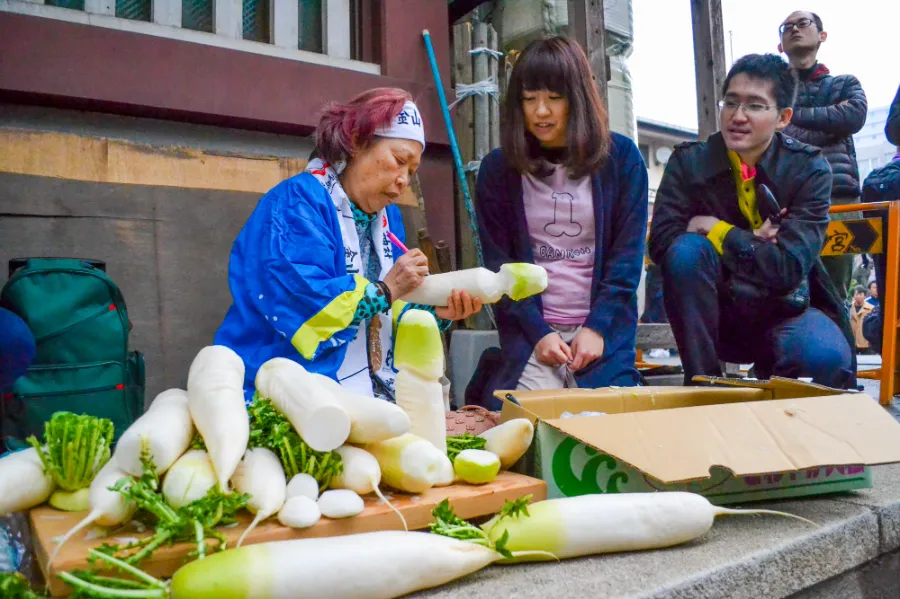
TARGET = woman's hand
x,y
587,346
460,305
551,350
407,273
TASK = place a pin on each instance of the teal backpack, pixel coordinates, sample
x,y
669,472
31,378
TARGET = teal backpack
x,y
80,324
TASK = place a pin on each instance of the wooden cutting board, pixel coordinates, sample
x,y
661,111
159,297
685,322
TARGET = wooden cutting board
x,y
467,500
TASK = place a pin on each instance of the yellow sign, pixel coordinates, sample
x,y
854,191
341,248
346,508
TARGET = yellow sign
x,y
862,236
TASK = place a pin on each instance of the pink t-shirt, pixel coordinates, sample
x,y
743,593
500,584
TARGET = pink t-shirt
x,y
560,215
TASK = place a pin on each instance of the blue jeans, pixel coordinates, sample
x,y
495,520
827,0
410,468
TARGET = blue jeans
x,y
707,328
17,349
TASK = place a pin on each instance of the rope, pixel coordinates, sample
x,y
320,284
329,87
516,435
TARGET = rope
x,y
486,87
548,16
488,51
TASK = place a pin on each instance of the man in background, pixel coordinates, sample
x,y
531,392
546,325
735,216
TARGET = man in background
x,y
859,309
828,110
872,300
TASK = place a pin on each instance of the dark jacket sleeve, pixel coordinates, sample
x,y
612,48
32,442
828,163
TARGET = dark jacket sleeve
x,y
624,263
892,128
497,232
783,265
820,139
845,117
671,208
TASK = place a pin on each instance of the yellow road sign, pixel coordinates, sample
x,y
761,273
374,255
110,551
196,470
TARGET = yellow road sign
x,y
863,236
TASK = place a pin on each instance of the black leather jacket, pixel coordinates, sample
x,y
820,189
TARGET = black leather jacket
x,y
698,181
827,112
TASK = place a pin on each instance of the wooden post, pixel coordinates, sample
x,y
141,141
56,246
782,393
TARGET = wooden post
x,y
482,102
462,70
709,62
494,102
587,26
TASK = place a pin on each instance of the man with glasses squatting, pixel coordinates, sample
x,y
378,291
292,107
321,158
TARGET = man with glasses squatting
x,y
738,225
827,112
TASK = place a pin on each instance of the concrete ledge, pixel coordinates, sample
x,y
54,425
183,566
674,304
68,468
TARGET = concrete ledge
x,y
740,558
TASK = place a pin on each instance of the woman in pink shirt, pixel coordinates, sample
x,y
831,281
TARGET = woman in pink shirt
x,y
565,193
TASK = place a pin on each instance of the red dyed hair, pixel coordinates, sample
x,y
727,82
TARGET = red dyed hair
x,y
345,127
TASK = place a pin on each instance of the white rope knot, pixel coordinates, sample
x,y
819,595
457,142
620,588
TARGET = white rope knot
x,y
488,51
486,87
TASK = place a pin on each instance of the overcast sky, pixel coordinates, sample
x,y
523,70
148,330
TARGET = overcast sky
x,y
862,40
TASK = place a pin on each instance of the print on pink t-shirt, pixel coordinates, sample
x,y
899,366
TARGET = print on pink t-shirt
x,y
560,215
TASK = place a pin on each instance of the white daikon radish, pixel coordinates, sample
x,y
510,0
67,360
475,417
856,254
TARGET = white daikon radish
x,y
408,463
419,359
167,428
371,419
341,503
190,478
362,474
299,512
261,476
303,485
518,280
216,402
476,466
108,507
589,524
446,475
311,408
377,565
509,441
23,482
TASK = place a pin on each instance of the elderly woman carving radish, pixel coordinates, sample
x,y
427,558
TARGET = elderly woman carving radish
x,y
313,273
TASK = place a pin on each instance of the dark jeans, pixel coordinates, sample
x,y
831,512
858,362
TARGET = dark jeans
x,y
707,328
16,349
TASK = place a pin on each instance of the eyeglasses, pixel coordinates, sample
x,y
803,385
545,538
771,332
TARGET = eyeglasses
x,y
788,27
753,108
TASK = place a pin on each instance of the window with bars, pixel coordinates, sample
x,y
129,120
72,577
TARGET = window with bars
x,y
197,15
256,20
73,4
311,22
136,10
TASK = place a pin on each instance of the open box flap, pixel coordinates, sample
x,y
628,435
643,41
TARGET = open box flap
x,y
755,437
552,403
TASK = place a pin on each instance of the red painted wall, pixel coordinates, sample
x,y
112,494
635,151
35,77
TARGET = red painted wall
x,y
69,65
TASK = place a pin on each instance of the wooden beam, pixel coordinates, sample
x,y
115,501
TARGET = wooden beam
x,y
709,62
587,26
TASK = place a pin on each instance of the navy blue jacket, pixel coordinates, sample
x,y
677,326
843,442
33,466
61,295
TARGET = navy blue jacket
x,y
620,214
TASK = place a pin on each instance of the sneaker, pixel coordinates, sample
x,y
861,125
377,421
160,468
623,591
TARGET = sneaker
x,y
659,353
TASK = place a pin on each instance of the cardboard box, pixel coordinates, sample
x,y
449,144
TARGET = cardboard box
x,y
744,441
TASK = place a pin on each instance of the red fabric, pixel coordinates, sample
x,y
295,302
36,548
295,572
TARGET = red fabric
x,y
747,172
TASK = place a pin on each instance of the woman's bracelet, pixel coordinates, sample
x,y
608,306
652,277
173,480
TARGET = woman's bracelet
x,y
385,290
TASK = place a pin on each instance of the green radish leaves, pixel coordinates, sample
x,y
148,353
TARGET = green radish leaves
x,y
75,448
194,522
270,429
516,508
458,443
14,585
448,524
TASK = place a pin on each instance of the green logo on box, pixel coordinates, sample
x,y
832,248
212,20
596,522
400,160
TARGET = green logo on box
x,y
568,482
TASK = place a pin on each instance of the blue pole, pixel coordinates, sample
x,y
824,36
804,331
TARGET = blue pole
x,y
454,146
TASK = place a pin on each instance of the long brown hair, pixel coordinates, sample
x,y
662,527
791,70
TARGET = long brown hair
x,y
556,64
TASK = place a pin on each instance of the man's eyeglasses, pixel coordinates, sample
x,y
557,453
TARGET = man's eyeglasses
x,y
788,27
753,108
